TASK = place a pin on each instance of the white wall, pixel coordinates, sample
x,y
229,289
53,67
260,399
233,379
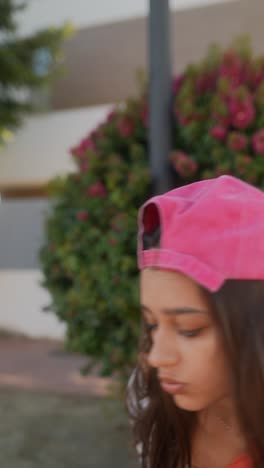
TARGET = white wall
x,y
43,13
21,302
40,149
38,152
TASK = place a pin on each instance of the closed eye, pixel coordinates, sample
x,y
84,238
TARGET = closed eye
x,y
190,333
151,327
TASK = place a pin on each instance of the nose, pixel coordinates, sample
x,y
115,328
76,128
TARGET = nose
x,y
164,351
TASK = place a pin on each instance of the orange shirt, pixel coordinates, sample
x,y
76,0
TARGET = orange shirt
x,y
244,461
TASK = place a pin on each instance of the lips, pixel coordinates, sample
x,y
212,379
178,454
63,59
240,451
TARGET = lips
x,y
171,386
169,380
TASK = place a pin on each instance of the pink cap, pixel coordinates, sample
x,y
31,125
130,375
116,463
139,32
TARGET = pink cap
x,y
211,231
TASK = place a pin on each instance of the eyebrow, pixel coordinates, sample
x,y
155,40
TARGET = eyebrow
x,y
177,310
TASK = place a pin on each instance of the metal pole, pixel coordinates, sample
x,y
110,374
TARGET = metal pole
x,y
159,94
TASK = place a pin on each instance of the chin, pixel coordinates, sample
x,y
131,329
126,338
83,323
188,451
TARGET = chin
x,y
188,403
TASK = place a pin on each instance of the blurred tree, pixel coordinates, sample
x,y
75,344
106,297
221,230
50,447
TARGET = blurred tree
x,y
26,64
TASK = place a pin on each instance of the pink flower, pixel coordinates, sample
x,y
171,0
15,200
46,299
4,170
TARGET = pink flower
x,y
97,190
76,152
258,141
237,141
85,145
232,69
177,82
218,132
242,112
206,82
184,164
111,115
126,127
256,76
82,215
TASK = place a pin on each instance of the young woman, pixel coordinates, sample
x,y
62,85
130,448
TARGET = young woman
x,y
196,397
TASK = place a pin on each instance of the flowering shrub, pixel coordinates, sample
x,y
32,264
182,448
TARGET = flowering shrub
x,y
89,258
219,117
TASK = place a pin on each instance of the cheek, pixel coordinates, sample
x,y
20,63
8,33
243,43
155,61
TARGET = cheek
x,y
212,377
210,361
208,374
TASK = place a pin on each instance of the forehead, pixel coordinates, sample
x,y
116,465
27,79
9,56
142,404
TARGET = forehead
x,y
169,289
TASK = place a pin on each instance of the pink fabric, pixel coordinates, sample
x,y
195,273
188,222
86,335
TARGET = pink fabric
x,y
211,230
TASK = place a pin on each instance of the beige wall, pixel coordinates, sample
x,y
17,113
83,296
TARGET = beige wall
x,y
102,61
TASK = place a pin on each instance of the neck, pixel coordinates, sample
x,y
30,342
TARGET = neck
x,y
218,439
223,411
221,420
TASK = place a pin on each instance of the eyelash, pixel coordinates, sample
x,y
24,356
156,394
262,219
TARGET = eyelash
x,y
186,333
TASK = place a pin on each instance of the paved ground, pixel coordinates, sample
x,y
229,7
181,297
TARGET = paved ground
x,y
44,365
51,417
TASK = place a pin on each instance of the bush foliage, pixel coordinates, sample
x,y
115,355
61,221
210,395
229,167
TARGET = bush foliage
x,y
89,258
